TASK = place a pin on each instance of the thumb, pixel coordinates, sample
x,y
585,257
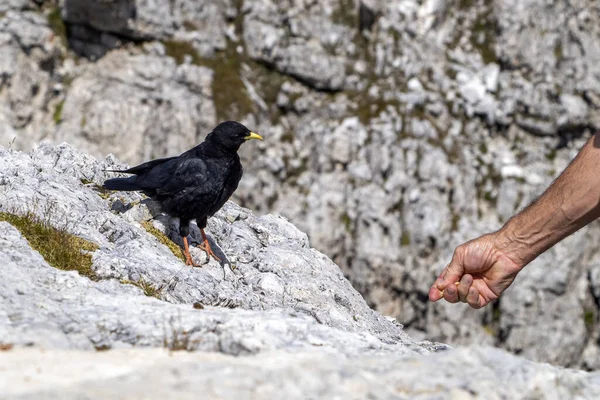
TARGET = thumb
x,y
452,274
436,292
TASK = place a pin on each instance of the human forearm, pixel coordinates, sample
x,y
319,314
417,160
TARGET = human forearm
x,y
570,203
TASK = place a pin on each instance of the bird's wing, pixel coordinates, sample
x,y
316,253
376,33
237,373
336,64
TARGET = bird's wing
x,y
145,167
177,176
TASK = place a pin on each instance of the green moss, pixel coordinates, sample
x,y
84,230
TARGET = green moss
x,y
465,4
489,197
149,289
489,330
67,81
57,25
288,137
229,93
405,239
589,319
558,51
85,181
486,27
496,313
551,155
483,148
267,82
59,248
176,250
455,221
178,50
83,122
347,221
345,14
367,108
485,48
239,20
57,115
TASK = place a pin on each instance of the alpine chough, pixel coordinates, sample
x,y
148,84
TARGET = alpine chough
x,y
194,185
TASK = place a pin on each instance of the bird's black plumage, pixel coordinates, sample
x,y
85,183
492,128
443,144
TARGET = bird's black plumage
x,y
196,184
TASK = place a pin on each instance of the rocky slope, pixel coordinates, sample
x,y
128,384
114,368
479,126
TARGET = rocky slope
x,y
277,317
395,130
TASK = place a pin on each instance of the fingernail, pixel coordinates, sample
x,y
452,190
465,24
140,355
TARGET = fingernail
x,y
451,290
439,284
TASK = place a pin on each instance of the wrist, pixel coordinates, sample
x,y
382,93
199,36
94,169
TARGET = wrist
x,y
512,246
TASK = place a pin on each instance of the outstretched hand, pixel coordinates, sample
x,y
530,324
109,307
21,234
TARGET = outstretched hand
x,y
478,273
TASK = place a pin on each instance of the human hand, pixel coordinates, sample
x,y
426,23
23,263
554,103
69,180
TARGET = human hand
x,y
478,273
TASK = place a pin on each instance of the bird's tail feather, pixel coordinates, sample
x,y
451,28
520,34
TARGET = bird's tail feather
x,y
123,184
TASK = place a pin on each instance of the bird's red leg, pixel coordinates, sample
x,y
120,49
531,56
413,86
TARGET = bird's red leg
x,y
186,253
206,247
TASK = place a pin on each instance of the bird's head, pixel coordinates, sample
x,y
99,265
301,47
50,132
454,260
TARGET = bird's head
x,y
231,135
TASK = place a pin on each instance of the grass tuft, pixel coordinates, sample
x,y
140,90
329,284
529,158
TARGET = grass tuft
x,y
149,289
229,93
59,248
405,239
178,50
589,319
57,116
176,250
57,25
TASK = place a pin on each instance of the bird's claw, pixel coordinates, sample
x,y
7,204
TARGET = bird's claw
x,y
189,261
206,248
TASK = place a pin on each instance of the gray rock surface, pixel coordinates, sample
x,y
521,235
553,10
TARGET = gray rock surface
x,y
270,264
395,130
277,319
130,101
461,374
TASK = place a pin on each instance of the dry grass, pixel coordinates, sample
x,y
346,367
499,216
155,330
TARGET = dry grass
x,y
59,248
176,250
149,289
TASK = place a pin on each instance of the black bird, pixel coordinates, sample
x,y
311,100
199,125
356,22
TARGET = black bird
x,y
194,185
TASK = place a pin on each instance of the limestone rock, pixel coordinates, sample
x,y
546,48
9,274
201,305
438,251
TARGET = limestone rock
x,y
461,374
146,104
277,318
395,131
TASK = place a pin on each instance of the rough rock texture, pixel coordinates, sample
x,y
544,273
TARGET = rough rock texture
x,y
395,130
277,319
135,100
461,374
270,263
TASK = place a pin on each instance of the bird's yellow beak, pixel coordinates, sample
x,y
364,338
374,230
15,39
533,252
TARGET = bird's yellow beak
x,y
253,135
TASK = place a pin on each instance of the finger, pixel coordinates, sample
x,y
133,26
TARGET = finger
x,y
451,294
439,283
453,272
474,299
464,286
435,294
